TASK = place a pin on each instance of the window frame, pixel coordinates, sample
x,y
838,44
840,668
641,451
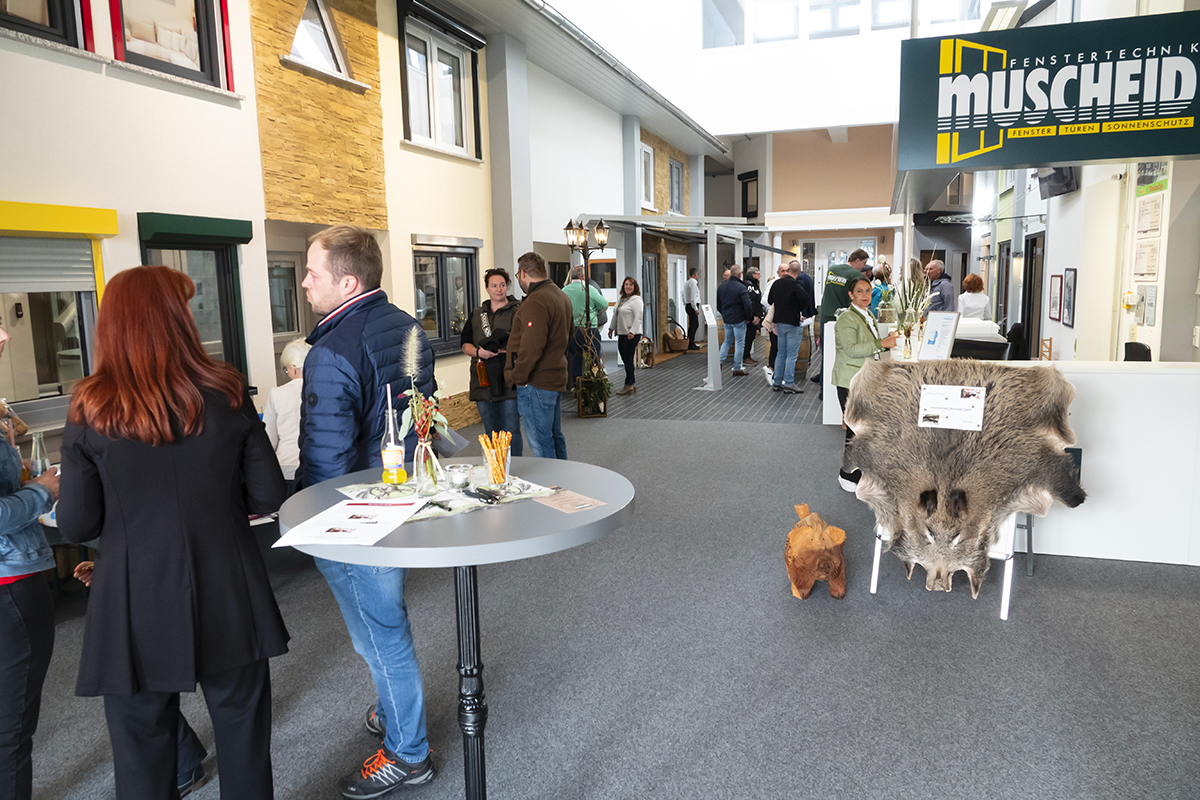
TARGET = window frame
x,y
437,39
746,178
447,342
63,27
229,295
834,6
341,63
675,168
876,25
765,38
212,44
158,231
647,177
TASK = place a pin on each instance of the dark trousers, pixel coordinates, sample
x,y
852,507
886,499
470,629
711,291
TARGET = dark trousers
x,y
581,339
751,335
774,352
145,731
26,643
693,324
628,349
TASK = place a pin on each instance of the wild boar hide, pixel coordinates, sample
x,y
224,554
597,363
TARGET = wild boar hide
x,y
943,493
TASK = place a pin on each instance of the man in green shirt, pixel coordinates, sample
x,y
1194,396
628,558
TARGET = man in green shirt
x,y
835,296
590,309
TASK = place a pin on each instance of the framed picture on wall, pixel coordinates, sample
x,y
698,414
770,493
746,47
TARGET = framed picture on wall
x,y
1056,286
1068,298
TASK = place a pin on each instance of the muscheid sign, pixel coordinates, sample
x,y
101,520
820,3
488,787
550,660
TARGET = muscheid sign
x,y
1093,91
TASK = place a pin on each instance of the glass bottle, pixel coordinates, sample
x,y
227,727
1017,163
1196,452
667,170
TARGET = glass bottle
x,y
39,462
392,450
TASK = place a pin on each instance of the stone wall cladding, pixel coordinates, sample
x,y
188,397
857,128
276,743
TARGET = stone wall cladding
x,y
322,143
662,173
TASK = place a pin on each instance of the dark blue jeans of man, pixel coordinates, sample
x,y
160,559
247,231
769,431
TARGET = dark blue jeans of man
x,y
541,414
372,604
502,415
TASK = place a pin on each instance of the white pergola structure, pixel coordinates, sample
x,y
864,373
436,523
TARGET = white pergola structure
x,y
704,231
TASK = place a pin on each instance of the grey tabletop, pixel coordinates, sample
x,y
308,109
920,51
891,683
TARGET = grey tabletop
x,y
505,532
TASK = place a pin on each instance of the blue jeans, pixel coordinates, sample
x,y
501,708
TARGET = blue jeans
x,y
372,604
541,414
502,415
789,337
737,341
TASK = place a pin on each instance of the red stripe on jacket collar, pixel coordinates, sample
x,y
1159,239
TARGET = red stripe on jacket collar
x,y
347,304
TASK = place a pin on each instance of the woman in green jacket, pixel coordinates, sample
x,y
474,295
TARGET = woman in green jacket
x,y
856,337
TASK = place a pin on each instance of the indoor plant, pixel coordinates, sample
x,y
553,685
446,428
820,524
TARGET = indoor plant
x,y
592,388
909,302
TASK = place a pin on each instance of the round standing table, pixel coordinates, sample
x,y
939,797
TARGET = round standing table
x,y
505,532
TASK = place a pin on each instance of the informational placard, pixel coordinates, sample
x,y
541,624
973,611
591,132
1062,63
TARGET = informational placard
x,y
1151,177
938,338
1145,261
709,317
1149,215
1151,293
362,522
957,407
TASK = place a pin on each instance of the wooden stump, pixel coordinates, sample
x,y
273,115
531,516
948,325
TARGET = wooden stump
x,y
814,553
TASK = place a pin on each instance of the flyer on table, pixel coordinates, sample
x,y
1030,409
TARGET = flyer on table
x,y
361,522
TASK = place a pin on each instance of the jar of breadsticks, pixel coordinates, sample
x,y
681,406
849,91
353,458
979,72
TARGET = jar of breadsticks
x,y
496,450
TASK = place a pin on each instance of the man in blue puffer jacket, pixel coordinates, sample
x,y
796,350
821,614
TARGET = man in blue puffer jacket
x,y
357,349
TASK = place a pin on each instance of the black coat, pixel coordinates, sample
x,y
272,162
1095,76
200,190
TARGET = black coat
x,y
180,590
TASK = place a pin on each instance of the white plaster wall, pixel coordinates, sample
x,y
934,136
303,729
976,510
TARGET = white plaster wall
x,y
74,132
575,155
718,195
1083,233
752,153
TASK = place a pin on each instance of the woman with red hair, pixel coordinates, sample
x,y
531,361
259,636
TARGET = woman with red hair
x,y
163,459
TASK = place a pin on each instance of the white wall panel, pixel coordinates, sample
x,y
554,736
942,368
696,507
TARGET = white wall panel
x,y
575,155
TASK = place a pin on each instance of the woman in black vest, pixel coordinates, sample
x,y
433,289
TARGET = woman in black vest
x,y
484,338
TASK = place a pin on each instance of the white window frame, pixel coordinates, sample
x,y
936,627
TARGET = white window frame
x,y
647,182
835,7
676,201
434,43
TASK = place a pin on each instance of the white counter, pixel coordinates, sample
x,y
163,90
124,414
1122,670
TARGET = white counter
x,y
1138,425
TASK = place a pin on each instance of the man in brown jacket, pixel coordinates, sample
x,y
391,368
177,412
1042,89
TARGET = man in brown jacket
x,y
537,357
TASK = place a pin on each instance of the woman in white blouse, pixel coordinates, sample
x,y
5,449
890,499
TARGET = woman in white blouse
x,y
973,302
627,323
282,414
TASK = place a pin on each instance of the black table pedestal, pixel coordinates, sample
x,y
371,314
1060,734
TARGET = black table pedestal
x,y
472,705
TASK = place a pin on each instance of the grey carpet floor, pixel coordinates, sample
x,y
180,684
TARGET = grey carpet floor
x,y
670,660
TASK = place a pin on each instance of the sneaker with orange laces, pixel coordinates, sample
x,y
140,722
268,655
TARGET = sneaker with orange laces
x,y
383,772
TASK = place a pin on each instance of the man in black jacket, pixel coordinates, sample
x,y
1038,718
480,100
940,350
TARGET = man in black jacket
x,y
756,308
363,344
791,300
734,302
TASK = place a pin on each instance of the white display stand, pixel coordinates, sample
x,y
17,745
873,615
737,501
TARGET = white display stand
x,y
831,410
712,382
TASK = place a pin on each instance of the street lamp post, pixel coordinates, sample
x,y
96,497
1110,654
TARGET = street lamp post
x,y
577,240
